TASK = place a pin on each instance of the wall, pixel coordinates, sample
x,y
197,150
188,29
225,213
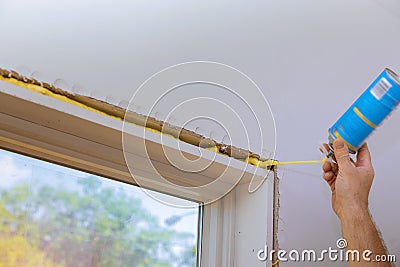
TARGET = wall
x,y
310,58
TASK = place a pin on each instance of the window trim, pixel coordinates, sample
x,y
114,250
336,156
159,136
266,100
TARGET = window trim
x,y
46,128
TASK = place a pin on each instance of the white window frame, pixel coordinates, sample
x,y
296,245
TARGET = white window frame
x,y
48,129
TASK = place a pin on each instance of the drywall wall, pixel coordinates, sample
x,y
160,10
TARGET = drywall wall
x,y
310,59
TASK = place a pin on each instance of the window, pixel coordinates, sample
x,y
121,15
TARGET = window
x,y
233,228
57,216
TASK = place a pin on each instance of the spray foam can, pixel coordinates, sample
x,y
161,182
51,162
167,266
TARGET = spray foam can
x,y
367,112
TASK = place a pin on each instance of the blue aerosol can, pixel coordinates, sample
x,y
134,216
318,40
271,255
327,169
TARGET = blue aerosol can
x,y
367,112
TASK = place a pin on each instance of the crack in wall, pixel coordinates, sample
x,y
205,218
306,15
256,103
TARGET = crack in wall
x,y
148,122
275,229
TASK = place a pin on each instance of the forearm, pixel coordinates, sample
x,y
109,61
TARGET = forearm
x,y
361,234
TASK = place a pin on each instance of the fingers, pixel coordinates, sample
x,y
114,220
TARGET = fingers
x,y
342,155
330,172
328,176
364,156
334,168
326,167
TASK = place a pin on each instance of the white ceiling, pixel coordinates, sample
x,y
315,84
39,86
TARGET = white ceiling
x,y
311,59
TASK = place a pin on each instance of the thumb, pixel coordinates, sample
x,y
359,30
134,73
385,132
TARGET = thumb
x,y
342,154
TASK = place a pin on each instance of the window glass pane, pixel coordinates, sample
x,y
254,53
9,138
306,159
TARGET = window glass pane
x,y
55,216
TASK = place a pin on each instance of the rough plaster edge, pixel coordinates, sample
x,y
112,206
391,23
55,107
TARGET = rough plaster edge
x,y
276,206
120,113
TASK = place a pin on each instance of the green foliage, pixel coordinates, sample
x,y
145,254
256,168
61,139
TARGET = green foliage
x,y
91,225
14,250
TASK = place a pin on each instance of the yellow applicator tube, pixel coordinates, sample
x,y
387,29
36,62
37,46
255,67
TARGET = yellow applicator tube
x,y
267,163
301,162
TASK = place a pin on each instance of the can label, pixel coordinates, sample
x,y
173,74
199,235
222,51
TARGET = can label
x,y
381,88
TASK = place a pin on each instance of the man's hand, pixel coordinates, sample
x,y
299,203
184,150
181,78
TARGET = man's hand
x,y
350,181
